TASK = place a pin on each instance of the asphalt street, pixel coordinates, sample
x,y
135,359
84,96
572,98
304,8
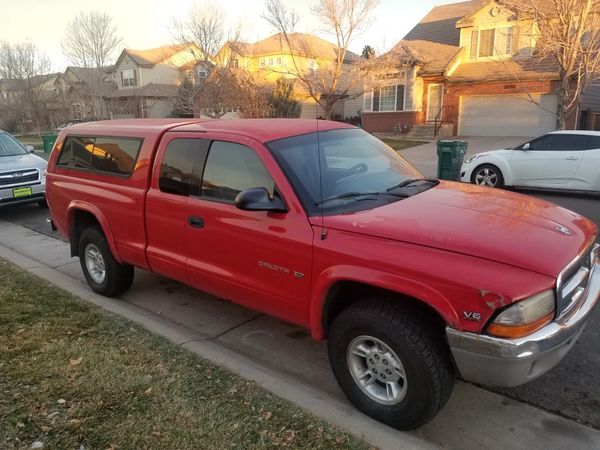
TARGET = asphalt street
x,y
571,389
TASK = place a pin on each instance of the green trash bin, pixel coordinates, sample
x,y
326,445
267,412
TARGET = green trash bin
x,y
48,141
450,159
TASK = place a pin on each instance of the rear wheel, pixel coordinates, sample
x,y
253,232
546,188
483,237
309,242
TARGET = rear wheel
x,y
103,273
488,175
390,362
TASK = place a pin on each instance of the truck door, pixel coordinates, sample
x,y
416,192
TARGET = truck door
x,y
174,177
257,258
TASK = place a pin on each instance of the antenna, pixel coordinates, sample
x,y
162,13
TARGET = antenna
x,y
323,232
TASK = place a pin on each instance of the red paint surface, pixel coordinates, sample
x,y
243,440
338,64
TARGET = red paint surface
x,y
449,247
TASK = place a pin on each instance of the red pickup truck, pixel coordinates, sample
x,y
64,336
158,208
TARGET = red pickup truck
x,y
410,279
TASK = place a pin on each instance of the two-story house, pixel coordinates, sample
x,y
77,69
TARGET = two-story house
x,y
147,80
475,73
300,54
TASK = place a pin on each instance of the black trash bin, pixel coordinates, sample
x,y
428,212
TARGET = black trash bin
x,y
450,159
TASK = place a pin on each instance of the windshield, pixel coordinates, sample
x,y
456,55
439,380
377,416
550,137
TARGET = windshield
x,y
9,146
353,163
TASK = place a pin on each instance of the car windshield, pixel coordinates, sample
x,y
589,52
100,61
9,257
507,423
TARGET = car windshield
x,y
358,171
9,146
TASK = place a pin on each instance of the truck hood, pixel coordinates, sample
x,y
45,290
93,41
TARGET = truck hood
x,y
496,225
20,162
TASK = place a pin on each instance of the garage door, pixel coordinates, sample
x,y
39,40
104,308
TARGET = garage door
x,y
506,115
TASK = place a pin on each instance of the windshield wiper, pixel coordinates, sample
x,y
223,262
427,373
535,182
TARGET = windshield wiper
x,y
410,181
358,194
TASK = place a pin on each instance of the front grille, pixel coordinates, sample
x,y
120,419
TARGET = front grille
x,y
19,177
573,281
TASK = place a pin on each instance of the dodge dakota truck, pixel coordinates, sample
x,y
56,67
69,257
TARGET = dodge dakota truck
x,y
411,280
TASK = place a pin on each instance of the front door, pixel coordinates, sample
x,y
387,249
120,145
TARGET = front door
x,y
257,258
435,93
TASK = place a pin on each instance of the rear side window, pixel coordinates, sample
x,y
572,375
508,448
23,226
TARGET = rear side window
x,y
231,168
594,142
560,142
112,155
115,155
181,167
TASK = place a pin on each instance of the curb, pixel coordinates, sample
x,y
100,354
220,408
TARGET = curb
x,y
317,403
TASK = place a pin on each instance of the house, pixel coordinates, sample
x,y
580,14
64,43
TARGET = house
x,y
474,73
84,91
24,103
147,80
275,57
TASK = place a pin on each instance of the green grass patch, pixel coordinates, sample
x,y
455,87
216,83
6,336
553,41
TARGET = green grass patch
x,y
73,375
31,139
401,144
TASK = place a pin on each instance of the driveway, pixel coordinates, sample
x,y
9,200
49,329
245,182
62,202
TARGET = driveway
x,y
424,157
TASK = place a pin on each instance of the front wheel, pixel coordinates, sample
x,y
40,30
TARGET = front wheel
x,y
488,175
103,272
390,362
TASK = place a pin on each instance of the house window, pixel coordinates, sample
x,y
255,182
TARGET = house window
x,y
312,66
279,61
263,63
389,98
234,63
270,62
202,73
128,77
492,41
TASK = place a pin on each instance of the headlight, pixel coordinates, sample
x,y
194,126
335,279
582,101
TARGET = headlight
x,y
524,317
43,174
471,158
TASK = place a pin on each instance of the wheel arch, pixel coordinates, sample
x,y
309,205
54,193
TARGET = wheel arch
x,y
334,294
82,215
502,165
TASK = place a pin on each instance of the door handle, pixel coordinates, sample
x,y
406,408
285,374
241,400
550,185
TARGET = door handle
x,y
195,222
572,158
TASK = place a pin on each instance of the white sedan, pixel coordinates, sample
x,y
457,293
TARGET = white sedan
x,y
557,160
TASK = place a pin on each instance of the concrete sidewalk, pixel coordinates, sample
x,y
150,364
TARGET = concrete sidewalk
x,y
283,359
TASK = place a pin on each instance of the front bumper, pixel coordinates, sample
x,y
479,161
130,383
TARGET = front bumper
x,y
511,362
465,172
38,191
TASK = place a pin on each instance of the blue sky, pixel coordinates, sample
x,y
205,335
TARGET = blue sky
x,y
146,23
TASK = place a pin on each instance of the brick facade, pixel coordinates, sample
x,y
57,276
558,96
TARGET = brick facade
x,y
386,121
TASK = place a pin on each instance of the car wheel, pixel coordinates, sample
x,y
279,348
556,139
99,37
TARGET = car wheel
x,y
488,175
390,362
103,273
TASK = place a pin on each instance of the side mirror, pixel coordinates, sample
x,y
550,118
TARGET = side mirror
x,y
526,146
258,199
29,148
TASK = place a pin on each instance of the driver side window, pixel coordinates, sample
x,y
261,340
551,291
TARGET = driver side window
x,y
231,168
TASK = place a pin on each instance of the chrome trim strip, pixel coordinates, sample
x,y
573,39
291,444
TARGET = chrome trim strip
x,y
560,279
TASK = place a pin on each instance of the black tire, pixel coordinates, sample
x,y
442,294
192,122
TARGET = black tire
x,y
497,181
43,204
410,334
117,277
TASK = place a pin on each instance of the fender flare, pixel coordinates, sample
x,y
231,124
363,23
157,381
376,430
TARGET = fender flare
x,y
77,205
390,281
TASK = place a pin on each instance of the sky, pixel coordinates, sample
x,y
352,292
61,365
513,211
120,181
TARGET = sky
x,y
144,24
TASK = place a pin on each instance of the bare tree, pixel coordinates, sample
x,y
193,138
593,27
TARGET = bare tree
x,y
90,42
203,29
204,32
26,68
566,34
339,75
